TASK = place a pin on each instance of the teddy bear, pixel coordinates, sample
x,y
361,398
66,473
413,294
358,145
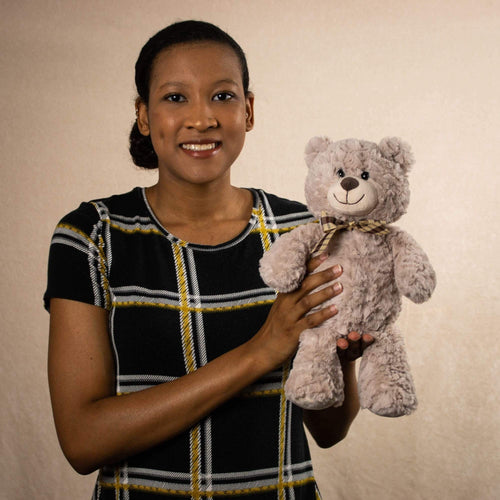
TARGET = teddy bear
x,y
356,189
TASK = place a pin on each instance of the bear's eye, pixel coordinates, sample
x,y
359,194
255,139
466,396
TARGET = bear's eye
x,y
365,176
341,173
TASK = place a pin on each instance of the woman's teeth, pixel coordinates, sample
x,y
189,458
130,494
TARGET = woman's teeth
x,y
199,147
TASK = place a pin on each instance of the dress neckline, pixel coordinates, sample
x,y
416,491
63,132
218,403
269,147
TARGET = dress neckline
x,y
232,242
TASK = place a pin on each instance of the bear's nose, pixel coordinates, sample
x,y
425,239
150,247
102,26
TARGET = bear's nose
x,y
349,183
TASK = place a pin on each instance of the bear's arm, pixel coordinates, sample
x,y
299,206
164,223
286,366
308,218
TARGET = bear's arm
x,y
415,277
283,267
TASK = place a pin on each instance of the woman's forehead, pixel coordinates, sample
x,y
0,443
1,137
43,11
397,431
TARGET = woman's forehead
x,y
196,59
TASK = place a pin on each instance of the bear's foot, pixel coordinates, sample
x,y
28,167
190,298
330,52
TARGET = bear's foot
x,y
385,382
388,400
314,390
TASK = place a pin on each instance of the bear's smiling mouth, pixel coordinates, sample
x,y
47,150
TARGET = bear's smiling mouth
x,y
346,202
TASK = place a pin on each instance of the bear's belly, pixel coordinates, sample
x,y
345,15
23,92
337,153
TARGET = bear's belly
x,y
370,300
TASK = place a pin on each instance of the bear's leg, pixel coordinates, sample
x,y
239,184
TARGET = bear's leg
x,y
316,381
385,382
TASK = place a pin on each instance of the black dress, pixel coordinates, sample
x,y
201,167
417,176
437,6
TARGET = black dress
x,y
174,306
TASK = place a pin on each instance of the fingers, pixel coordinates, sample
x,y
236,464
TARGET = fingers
x,y
315,280
353,346
316,318
314,299
354,340
291,312
311,294
314,262
366,341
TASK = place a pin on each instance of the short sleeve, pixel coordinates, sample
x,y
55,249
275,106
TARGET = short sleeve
x,y
78,265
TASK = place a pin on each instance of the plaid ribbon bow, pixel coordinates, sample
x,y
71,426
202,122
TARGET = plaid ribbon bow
x,y
330,226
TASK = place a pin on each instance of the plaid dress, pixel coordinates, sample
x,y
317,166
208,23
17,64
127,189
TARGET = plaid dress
x,y
174,306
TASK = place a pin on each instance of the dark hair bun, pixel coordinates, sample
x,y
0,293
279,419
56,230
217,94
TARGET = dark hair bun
x,y
141,149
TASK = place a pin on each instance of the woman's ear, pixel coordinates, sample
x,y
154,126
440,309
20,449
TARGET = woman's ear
x,y
249,116
141,116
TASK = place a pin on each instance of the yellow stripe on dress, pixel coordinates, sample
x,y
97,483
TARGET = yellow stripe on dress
x,y
190,362
263,230
102,271
210,494
141,230
102,258
278,230
183,308
195,451
190,309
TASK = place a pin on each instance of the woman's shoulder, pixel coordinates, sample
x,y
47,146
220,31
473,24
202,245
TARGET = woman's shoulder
x,y
281,207
89,213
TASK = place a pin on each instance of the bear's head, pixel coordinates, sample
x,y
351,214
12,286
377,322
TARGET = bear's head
x,y
353,180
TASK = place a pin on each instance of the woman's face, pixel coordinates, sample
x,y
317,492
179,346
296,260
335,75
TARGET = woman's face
x,y
198,113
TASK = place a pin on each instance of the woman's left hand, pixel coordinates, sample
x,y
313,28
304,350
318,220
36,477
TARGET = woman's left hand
x,y
329,426
352,347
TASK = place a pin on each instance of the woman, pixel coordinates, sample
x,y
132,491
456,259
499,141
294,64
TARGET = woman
x,y
167,353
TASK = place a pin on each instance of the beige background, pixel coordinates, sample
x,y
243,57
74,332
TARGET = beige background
x,y
424,70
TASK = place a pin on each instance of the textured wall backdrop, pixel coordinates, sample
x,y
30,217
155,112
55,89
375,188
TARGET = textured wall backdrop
x,y
426,71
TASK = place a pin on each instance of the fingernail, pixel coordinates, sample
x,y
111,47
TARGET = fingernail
x,y
334,309
323,256
354,336
337,269
342,344
337,287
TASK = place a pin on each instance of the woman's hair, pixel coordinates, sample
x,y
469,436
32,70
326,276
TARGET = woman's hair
x,y
141,147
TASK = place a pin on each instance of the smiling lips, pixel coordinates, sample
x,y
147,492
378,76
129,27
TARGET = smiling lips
x,y
199,147
346,202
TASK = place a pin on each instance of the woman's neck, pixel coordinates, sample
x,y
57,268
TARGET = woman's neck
x,y
202,214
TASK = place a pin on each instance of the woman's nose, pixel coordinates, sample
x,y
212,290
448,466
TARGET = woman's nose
x,y
201,117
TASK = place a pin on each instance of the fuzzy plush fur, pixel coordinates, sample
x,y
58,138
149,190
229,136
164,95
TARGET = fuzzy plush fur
x,y
354,180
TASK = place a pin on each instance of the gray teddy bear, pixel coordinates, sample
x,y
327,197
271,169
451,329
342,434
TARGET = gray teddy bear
x,y
356,189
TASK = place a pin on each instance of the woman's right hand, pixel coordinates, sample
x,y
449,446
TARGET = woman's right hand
x,y
291,314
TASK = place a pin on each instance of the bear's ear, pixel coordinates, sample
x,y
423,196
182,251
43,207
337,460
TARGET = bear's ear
x,y
315,146
394,149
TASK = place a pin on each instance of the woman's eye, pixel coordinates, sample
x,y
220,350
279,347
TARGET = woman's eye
x,y
175,98
365,176
223,96
341,173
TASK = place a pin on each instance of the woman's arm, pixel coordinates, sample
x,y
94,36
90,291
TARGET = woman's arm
x,y
329,426
95,427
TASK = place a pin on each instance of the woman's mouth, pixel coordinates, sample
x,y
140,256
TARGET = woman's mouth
x,y
196,147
